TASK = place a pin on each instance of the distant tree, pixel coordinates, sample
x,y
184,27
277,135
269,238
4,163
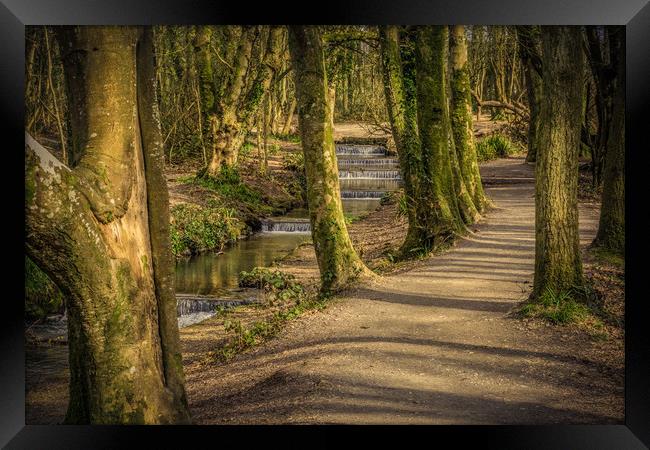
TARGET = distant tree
x,y
229,103
600,52
611,229
461,118
529,52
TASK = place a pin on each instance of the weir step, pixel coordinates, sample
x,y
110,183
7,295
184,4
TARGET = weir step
x,y
381,162
286,226
369,150
190,304
362,195
370,174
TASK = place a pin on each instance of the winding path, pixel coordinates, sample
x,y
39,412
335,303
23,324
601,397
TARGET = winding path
x,y
436,344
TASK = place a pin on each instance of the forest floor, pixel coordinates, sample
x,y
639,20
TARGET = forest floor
x,y
436,341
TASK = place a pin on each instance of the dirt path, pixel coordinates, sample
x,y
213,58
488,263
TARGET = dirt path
x,y
435,344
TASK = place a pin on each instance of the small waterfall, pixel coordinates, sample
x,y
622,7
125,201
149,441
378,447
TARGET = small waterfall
x,y
362,195
343,149
390,162
287,226
187,304
375,184
370,174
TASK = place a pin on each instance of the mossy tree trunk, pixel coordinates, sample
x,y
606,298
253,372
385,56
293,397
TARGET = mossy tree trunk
x,y
414,71
611,229
527,39
440,212
230,102
401,104
461,118
99,229
337,260
558,265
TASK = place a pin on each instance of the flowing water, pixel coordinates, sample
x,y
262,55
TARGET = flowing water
x,y
207,282
217,275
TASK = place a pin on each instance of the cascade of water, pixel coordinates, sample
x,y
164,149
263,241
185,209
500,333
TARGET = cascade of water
x,y
285,226
343,149
192,305
370,174
362,195
390,162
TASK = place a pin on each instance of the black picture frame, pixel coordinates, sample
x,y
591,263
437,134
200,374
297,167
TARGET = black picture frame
x,y
635,14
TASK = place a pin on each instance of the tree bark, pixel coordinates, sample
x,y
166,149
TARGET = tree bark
x,y
558,265
89,228
611,229
415,88
461,118
337,260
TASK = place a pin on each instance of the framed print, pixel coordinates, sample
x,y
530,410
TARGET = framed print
x,y
239,219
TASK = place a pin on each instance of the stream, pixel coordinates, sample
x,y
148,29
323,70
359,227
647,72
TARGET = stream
x,y
208,281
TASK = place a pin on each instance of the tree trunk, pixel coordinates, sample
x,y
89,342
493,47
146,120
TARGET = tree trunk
x,y
401,104
236,110
440,211
225,125
337,260
611,229
55,100
461,118
92,229
558,265
416,99
602,73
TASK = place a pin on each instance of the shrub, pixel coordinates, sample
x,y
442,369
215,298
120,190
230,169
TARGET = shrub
x,y
265,278
503,147
494,146
195,229
278,284
485,151
295,162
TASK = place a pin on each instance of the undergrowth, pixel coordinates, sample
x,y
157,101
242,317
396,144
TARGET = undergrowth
x,y
229,185
495,146
195,229
279,288
576,306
